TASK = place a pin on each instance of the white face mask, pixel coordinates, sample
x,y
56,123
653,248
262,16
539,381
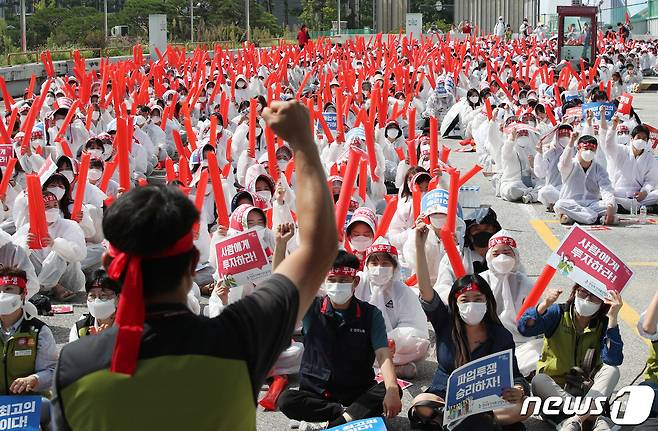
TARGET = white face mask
x,y
523,101
22,118
95,115
95,174
219,128
57,191
50,100
59,123
338,293
380,275
265,194
623,139
587,155
95,154
639,144
52,215
68,175
474,99
503,264
585,308
438,220
9,302
360,243
101,310
472,313
156,120
282,164
391,133
562,142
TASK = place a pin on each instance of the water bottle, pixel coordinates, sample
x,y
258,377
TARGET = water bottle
x,y
633,207
643,214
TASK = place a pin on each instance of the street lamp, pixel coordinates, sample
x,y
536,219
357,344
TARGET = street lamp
x,y
23,33
338,17
105,17
246,8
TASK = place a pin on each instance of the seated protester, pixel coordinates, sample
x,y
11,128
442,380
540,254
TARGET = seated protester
x,y
634,172
244,218
587,195
102,301
95,176
406,325
584,323
57,264
546,166
467,329
480,227
516,182
632,78
342,338
647,326
403,219
16,256
30,352
510,286
360,232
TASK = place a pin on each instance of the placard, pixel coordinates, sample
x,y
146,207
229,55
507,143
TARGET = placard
x,y
595,107
625,103
241,259
477,387
20,412
586,261
434,201
370,424
5,154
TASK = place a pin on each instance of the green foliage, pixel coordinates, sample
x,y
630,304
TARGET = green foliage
x,y
5,39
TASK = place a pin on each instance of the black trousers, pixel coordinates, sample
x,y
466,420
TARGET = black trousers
x,y
309,406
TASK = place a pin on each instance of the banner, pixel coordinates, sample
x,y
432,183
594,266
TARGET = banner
x,y
586,261
241,259
477,387
574,113
435,201
371,424
610,109
330,119
653,136
625,103
5,154
20,412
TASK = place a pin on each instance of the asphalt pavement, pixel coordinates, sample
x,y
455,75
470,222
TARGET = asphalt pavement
x,y
537,232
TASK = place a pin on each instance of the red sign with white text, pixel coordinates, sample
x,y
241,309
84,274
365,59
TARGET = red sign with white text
x,y
625,103
588,262
5,154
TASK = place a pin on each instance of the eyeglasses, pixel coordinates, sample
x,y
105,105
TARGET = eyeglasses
x,y
102,297
583,294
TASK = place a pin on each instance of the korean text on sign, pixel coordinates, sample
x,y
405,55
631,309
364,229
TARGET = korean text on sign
x,y
20,412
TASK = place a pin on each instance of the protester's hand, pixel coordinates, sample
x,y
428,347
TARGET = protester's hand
x,y
551,297
47,241
574,137
615,302
494,114
221,231
531,160
392,402
221,290
24,384
78,217
640,196
290,120
280,194
513,395
421,231
589,117
284,233
437,172
515,134
102,327
615,122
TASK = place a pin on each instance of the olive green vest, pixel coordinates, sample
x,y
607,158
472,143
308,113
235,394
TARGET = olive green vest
x,y
652,364
566,348
19,353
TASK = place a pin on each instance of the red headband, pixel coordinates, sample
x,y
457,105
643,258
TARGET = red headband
x,y
130,313
7,280
381,248
505,240
470,288
343,270
588,145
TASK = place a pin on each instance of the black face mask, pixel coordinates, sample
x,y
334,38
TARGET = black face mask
x,y
481,239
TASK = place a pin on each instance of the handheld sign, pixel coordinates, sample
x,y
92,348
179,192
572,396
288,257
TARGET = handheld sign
x,y
331,119
625,103
371,424
242,258
586,261
5,155
653,136
20,412
595,107
435,201
476,387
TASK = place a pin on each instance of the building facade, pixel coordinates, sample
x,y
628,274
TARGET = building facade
x,y
484,13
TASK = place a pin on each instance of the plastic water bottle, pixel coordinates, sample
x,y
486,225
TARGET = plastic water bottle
x,y
643,214
633,207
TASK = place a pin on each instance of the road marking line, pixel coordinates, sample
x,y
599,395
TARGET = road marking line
x,y
627,313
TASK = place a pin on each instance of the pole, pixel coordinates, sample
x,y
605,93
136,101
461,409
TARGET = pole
x,y
192,21
23,34
105,17
246,7
338,17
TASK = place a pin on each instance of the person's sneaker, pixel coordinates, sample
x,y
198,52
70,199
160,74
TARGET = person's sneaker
x,y
550,208
603,424
406,371
526,199
293,424
312,426
571,424
565,219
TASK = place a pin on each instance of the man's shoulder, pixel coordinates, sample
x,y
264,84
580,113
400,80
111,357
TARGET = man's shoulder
x,y
84,356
